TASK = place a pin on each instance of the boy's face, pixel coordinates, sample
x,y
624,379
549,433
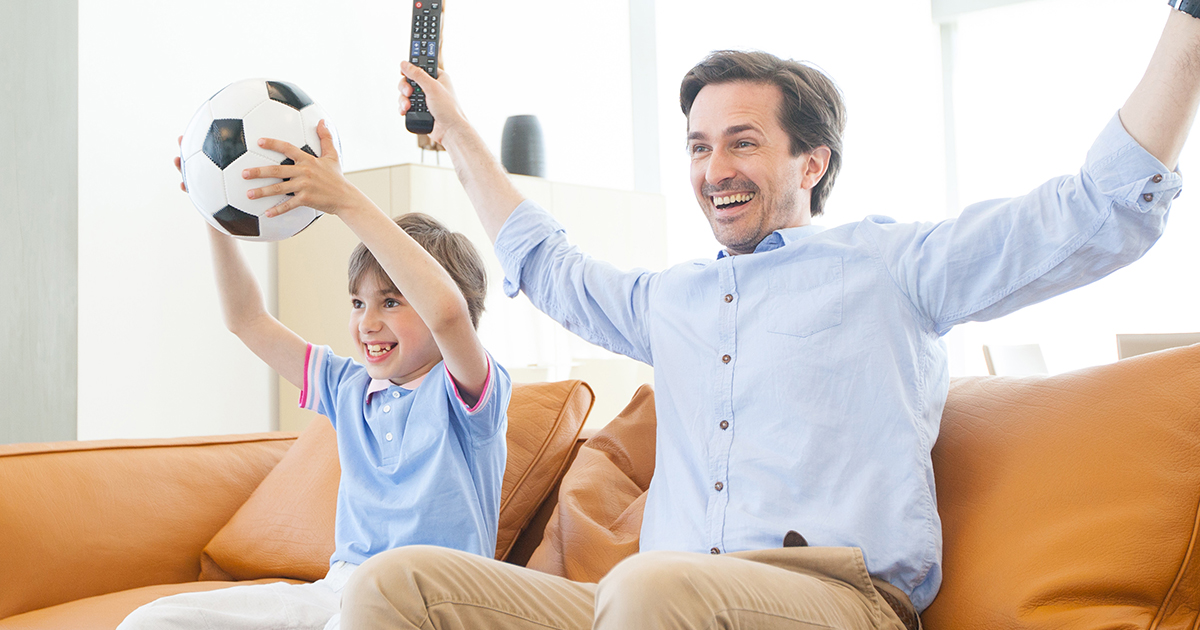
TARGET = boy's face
x,y
395,344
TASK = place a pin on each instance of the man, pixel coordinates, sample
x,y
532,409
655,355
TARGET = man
x,y
801,376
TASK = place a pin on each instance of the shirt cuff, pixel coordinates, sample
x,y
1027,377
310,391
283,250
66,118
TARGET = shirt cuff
x,y
524,230
483,393
1127,173
314,362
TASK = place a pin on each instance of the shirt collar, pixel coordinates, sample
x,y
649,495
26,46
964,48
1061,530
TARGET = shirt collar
x,y
779,238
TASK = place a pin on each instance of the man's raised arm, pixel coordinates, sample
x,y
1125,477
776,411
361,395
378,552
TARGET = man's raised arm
x,y
1161,109
486,183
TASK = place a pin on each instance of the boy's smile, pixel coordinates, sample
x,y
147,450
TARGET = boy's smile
x,y
395,343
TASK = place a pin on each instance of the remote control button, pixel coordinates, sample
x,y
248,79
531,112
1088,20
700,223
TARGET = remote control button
x,y
432,49
418,5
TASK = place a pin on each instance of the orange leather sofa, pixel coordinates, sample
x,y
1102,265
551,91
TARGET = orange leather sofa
x,y
89,531
1067,502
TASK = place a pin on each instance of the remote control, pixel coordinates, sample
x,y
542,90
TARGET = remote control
x,y
423,51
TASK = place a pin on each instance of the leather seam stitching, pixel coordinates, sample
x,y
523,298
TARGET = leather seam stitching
x,y
1183,570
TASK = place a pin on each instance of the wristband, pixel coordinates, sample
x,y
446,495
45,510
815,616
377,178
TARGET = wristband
x,y
1190,7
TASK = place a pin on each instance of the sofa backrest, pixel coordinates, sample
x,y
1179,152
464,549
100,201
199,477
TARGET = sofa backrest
x,y
1071,501
79,519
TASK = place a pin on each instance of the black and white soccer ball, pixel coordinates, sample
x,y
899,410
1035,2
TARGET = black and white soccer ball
x,y
222,140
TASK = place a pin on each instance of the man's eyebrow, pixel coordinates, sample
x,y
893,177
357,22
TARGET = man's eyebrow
x,y
729,131
736,129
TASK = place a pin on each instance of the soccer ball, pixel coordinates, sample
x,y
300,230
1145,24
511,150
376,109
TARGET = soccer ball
x,y
222,140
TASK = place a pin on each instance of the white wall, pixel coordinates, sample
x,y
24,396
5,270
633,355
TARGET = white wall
x,y
1036,83
154,358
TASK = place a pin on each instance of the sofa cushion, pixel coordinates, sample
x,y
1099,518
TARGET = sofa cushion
x,y
599,515
106,612
285,529
79,519
1071,501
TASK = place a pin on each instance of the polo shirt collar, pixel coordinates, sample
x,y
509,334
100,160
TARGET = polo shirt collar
x,y
779,238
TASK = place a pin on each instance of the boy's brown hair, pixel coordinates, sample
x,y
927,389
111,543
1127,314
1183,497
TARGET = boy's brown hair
x,y
453,251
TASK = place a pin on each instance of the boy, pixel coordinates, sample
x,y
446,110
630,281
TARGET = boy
x,y
421,426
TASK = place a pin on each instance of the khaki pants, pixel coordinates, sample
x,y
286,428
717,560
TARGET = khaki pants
x,y
801,587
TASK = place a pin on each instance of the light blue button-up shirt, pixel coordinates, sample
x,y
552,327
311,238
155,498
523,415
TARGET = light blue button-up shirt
x,y
419,467
800,387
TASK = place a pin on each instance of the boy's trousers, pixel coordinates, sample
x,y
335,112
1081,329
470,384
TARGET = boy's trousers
x,y
799,587
278,606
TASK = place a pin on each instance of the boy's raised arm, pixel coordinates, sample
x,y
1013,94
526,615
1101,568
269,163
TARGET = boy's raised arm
x,y
428,288
246,317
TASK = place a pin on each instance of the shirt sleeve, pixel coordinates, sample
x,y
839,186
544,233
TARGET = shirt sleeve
x,y
489,415
1000,256
591,298
324,375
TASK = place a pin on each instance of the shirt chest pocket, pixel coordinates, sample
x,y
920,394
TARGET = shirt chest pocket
x,y
805,297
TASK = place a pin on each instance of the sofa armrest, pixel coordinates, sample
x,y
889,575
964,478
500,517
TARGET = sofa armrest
x,y
79,519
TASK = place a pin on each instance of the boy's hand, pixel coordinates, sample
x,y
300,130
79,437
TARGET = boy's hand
x,y
179,166
314,182
439,97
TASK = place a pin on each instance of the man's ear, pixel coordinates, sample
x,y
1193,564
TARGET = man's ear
x,y
813,166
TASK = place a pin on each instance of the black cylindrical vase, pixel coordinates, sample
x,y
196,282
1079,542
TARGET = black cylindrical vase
x,y
521,149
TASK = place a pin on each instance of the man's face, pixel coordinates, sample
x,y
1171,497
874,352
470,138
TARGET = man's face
x,y
746,180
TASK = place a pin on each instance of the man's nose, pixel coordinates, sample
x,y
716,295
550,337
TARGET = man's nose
x,y
720,167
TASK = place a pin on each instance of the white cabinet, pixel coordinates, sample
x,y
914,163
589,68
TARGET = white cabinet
x,y
625,228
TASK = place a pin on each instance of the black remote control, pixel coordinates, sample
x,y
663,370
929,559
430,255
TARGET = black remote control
x,y
423,51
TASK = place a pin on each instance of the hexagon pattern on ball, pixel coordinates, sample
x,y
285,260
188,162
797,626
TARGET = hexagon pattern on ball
x,y
222,139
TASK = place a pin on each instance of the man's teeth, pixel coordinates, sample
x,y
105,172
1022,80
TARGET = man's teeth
x,y
730,199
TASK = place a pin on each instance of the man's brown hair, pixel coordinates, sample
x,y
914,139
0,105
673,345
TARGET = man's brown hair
x,y
812,111
453,251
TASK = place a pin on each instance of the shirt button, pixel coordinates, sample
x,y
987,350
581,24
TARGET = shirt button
x,y
714,551
726,359
395,394
1156,179
719,486
1148,197
728,298
388,437
724,424
387,408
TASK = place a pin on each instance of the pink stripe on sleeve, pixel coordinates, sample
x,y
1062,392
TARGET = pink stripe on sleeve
x,y
483,394
304,390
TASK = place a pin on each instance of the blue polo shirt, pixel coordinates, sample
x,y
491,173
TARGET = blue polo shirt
x,y
419,467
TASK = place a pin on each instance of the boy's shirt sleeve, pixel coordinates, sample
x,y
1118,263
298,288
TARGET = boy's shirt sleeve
x,y
324,375
489,415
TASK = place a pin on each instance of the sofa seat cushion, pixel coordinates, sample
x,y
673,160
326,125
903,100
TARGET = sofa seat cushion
x,y
105,612
1071,501
285,528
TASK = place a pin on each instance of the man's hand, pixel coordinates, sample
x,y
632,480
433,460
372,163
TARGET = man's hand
x,y
314,182
439,97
